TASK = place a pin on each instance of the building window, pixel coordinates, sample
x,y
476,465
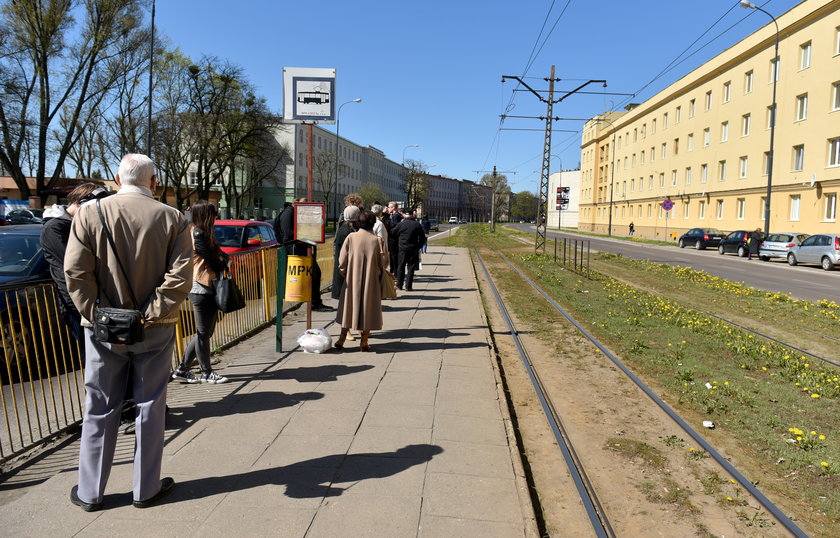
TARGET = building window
x,y
642,158
798,157
719,211
837,40
692,108
650,182
708,101
690,141
721,170
740,208
774,69
665,120
635,134
834,152
801,107
724,131
836,96
766,164
701,209
746,120
748,82
686,212
794,207
677,114
673,178
653,127
707,137
652,154
742,173
770,117
676,146
688,176
662,180
704,173
805,55
650,211
634,161
664,149
640,211
727,91
831,207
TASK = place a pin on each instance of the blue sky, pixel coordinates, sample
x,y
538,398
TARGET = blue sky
x,y
429,72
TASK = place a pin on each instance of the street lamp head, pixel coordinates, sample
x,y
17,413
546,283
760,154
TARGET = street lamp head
x,y
357,100
747,4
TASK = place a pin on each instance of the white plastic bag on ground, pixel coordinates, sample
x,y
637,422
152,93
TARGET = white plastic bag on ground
x,y
315,341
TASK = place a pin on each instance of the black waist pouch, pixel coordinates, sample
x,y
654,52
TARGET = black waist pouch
x,y
118,326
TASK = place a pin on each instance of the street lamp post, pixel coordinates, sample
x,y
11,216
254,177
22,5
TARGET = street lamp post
x,y
337,120
776,64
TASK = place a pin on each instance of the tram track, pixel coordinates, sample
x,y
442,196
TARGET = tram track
x,y
596,513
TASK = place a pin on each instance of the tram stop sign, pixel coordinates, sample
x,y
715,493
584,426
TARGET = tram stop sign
x,y
667,205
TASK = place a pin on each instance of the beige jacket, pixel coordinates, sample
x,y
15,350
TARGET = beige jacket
x,y
154,246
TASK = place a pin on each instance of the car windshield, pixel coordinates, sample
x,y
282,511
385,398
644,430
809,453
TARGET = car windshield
x,y
228,236
17,254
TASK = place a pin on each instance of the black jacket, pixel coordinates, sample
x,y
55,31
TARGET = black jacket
x,y
284,229
54,238
409,234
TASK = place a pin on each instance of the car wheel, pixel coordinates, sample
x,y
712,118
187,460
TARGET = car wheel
x,y
742,252
827,264
699,245
720,249
764,258
682,243
791,259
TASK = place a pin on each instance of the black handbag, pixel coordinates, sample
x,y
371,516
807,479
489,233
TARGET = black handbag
x,y
117,325
229,298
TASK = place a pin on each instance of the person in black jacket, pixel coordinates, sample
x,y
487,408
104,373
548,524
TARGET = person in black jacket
x,y
54,238
410,238
208,261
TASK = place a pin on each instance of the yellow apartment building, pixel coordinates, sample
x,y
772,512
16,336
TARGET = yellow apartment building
x,y
703,142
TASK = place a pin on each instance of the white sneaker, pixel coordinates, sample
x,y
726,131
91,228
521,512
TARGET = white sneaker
x,y
212,378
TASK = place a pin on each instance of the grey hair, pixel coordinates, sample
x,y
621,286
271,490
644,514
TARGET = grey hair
x,y
377,210
136,169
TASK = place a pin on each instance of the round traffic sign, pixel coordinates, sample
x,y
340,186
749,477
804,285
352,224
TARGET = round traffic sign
x,y
667,205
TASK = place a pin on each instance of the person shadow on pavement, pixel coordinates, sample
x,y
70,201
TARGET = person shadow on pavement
x,y
254,402
307,374
312,478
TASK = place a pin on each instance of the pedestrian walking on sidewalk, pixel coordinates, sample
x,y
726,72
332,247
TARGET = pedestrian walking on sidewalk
x,y
208,261
410,238
150,260
427,227
362,261
632,229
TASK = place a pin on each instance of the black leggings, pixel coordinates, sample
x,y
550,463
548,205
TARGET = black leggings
x,y
206,312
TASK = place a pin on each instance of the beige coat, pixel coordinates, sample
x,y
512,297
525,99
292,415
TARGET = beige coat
x,y
153,242
362,262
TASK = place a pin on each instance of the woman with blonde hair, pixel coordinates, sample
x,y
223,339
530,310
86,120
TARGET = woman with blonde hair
x,y
208,261
362,260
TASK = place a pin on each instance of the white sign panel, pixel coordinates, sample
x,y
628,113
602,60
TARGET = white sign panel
x,y
308,95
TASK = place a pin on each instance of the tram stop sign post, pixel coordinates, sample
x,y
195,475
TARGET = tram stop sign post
x,y
309,229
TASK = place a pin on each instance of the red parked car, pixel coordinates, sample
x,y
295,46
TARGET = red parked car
x,y
243,235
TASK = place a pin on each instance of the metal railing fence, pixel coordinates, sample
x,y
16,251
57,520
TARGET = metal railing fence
x,y
42,375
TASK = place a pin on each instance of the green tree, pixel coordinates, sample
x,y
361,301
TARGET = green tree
x,y
416,187
501,193
524,206
371,192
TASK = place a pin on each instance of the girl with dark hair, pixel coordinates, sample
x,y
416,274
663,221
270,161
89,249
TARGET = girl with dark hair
x,y
208,261
362,260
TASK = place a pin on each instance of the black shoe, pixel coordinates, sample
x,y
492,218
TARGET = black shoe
x,y
409,289
87,507
323,308
166,485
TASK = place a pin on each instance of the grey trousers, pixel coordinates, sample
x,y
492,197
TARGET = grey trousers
x,y
106,377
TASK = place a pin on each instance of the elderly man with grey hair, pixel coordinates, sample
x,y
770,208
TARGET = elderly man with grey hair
x,y
150,261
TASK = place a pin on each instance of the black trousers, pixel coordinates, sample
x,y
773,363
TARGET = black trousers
x,y
406,275
316,284
204,306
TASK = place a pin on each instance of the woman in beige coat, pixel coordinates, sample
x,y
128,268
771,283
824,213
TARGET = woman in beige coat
x,y
362,261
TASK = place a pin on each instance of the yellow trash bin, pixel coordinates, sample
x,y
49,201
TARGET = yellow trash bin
x,y
299,279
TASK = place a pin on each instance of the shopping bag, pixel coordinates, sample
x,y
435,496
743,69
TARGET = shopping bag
x,y
389,287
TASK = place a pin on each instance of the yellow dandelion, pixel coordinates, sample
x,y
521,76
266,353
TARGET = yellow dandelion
x,y
824,463
821,438
815,395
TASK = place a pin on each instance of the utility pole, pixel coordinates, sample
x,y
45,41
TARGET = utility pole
x,y
539,242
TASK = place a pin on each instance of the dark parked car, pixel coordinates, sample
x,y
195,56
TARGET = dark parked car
x,y
701,238
25,216
779,244
736,242
822,249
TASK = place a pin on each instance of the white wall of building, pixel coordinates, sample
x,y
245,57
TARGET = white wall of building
x,y
567,218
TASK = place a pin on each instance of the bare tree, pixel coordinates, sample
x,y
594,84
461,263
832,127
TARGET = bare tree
x,y
44,75
371,192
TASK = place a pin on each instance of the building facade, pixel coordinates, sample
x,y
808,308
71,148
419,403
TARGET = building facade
x,y
563,218
703,142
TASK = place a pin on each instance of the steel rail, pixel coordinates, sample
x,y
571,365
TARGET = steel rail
x,y
783,519
586,491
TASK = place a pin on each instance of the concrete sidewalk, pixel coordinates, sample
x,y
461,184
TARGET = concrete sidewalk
x,y
411,440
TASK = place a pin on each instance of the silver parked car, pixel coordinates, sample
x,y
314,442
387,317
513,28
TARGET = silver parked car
x,y
779,244
822,249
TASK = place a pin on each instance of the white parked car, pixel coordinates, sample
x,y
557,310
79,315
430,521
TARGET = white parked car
x,y
822,249
779,244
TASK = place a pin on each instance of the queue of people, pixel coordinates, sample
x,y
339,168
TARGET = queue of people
x,y
130,251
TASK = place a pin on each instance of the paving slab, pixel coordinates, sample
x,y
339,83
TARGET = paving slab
x,y
411,440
